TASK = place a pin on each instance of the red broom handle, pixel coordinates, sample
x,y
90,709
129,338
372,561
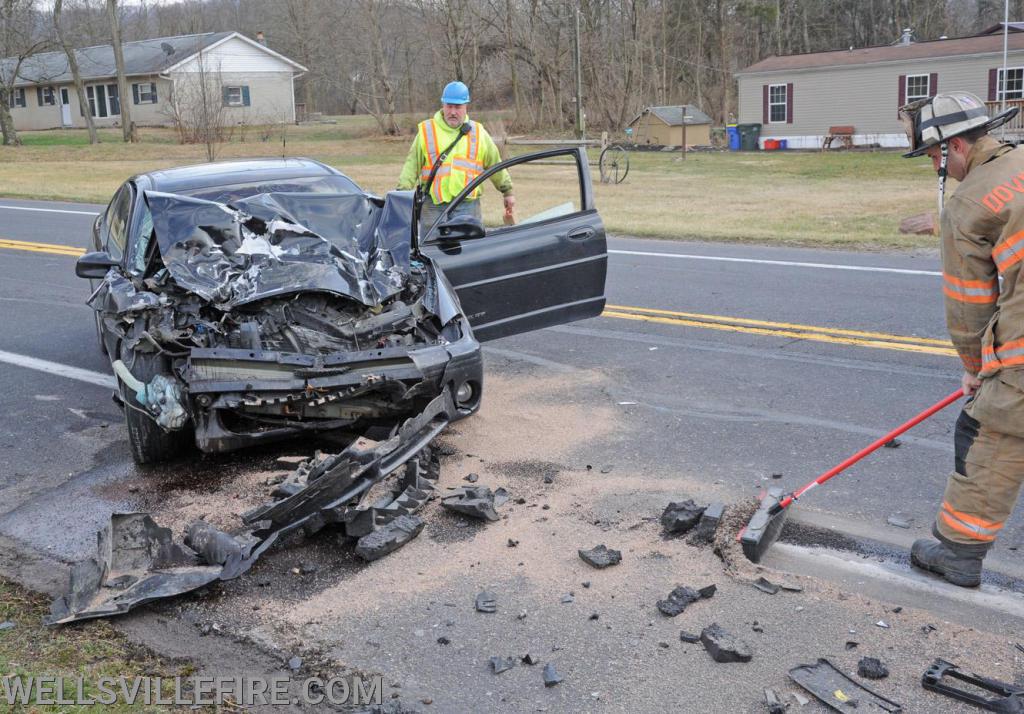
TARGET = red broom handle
x,y
868,449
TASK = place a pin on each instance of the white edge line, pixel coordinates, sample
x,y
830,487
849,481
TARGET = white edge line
x,y
58,369
51,210
791,263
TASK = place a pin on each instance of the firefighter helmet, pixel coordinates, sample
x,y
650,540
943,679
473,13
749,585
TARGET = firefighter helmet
x,y
936,120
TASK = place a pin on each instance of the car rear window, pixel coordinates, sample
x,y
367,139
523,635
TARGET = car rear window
x,y
306,184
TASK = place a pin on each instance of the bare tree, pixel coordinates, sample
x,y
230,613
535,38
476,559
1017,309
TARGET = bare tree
x,y
76,74
124,97
196,107
18,42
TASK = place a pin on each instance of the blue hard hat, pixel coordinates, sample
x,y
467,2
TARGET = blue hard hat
x,y
455,93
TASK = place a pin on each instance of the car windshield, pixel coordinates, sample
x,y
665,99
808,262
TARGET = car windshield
x,y
306,184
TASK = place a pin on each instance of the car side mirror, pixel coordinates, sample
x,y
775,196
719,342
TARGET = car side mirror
x,y
95,265
461,228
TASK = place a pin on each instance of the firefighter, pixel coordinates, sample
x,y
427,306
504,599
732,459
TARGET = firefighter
x,y
475,153
982,233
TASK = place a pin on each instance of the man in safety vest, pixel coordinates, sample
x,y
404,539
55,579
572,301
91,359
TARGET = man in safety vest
x,y
982,228
475,153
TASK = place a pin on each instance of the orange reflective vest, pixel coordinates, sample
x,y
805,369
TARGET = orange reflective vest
x,y
462,165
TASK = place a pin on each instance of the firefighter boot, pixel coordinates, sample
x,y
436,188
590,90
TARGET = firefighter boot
x,y
957,563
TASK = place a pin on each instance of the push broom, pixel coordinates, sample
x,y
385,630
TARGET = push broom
x,y
766,523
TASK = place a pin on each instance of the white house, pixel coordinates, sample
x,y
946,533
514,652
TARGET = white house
x,y
256,84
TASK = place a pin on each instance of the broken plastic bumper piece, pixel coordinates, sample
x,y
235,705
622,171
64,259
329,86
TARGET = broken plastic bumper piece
x,y
1008,698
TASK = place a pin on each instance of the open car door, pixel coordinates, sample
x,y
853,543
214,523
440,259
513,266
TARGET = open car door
x,y
546,269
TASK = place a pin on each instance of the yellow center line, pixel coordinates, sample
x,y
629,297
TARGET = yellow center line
x,y
792,334
878,340
40,247
725,319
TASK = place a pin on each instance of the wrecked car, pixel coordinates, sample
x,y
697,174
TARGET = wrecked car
x,y
246,301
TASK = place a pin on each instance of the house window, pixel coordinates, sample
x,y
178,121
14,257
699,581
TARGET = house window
x,y
16,97
144,92
917,87
103,100
236,96
46,96
777,103
1011,83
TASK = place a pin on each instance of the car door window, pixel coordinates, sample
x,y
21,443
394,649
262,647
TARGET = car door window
x,y
144,235
546,188
116,221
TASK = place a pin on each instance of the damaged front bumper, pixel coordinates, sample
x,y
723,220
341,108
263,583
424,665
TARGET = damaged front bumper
x,y
137,561
243,397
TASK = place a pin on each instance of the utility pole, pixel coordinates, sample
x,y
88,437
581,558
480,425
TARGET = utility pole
x,y
580,127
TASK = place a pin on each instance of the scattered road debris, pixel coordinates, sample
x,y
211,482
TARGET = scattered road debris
x,y
772,701
295,664
137,562
600,556
898,520
472,478
723,646
512,543
765,586
851,645
486,602
872,668
443,641
473,501
704,533
838,691
389,538
801,699
502,664
567,598
680,597
6,625
551,675
883,624
529,659
893,443
678,518
689,637
1008,698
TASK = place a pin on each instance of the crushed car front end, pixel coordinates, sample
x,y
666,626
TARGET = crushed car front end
x,y
275,314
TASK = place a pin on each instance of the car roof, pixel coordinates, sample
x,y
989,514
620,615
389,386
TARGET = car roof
x,y
224,173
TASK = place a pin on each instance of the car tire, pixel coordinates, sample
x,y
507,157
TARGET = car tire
x,y
149,443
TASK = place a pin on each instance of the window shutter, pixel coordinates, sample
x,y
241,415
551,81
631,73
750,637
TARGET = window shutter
x,y
902,91
764,103
224,95
933,84
39,95
993,81
135,93
245,95
789,103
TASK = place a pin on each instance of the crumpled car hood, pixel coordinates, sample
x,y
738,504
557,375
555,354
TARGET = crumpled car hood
x,y
277,243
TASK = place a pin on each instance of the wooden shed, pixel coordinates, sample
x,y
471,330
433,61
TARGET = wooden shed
x,y
663,126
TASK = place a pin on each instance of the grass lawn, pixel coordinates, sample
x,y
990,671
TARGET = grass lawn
x,y
837,199
89,650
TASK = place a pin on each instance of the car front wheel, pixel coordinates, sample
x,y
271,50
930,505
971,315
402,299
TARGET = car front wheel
x,y
149,442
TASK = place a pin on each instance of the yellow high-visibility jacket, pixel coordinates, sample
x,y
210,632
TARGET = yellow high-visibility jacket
x,y
474,153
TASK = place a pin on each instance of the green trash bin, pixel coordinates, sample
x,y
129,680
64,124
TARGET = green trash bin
x,y
749,134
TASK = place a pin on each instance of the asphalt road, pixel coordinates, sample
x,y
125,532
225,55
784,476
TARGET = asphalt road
x,y
734,402
722,366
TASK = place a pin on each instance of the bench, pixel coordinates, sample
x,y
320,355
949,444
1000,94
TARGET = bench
x,y
841,134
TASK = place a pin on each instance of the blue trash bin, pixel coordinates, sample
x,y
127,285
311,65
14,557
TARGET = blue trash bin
x,y
734,137
783,144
